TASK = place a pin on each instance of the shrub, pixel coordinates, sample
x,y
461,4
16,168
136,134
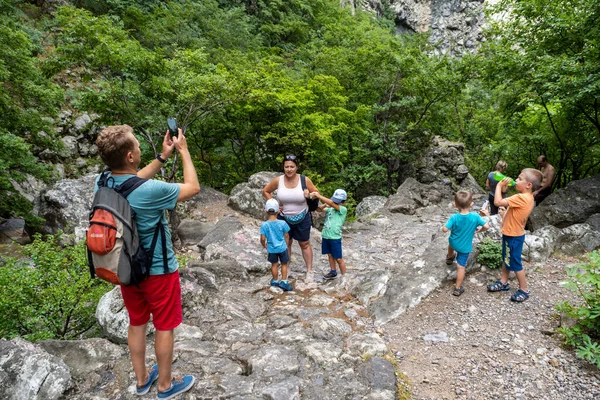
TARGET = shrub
x,y
490,253
585,334
49,295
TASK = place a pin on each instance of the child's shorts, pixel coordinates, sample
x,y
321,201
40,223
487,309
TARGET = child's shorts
x,y
462,258
279,257
512,248
333,247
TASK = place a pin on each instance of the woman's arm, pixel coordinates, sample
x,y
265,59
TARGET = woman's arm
x,y
270,188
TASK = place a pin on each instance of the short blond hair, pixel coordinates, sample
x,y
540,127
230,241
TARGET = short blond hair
x,y
113,144
463,199
534,177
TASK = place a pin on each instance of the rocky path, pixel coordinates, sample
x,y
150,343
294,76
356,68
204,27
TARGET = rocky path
x,y
483,346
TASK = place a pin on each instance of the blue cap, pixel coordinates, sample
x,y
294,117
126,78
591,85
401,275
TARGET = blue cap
x,y
339,196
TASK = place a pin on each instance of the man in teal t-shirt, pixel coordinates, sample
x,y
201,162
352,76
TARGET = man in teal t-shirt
x,y
332,231
159,295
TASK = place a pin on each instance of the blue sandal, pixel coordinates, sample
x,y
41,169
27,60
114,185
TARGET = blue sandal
x,y
520,296
498,286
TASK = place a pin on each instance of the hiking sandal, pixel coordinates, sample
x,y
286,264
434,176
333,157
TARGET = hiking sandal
x,y
450,260
458,291
498,286
520,296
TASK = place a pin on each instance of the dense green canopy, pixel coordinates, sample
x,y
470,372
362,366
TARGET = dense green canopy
x,y
252,80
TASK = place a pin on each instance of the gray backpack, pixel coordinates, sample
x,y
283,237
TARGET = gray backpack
x,y
115,253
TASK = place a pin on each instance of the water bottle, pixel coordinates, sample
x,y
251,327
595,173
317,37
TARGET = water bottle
x,y
485,205
499,176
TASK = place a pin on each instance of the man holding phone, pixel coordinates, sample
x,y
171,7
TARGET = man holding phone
x,y
160,294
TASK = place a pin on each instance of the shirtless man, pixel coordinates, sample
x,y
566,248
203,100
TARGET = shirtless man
x,y
548,177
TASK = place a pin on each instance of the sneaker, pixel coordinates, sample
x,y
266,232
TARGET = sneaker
x,y
152,377
274,282
285,285
331,275
178,386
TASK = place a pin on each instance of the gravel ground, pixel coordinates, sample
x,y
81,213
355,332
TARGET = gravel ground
x,y
483,346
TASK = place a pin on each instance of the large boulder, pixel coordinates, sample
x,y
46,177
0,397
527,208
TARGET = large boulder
x,y
113,318
66,205
29,372
193,208
370,206
412,195
192,232
247,197
573,204
13,230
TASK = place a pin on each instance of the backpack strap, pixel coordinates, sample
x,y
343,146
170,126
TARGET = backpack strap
x,y
303,182
163,238
129,185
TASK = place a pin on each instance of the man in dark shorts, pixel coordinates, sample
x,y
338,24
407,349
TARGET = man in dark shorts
x,y
548,178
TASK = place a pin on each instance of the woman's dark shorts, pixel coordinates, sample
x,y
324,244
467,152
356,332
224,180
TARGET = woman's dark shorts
x,y
301,230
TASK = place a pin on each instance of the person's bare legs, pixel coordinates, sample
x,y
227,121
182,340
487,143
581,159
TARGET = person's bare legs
x,y
332,265
136,339
460,275
284,271
450,252
504,273
307,254
342,265
275,270
522,280
289,246
163,344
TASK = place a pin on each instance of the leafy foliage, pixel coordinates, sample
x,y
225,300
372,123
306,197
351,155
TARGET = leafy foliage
x,y
51,296
585,334
490,253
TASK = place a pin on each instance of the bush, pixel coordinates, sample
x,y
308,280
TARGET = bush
x,y
49,295
490,253
585,334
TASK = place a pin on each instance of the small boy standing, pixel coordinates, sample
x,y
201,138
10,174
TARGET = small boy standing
x,y
462,227
274,238
332,230
513,229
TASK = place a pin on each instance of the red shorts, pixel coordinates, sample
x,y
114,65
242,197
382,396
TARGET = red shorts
x,y
159,295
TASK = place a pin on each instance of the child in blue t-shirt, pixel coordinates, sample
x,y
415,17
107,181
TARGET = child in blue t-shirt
x,y
462,227
274,237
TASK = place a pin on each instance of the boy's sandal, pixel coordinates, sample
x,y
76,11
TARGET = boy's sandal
x,y
498,286
458,291
450,260
519,296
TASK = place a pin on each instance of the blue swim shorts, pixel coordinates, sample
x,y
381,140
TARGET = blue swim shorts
x,y
279,257
512,248
462,258
333,247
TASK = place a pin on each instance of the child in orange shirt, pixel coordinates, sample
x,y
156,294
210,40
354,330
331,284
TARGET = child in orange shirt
x,y
513,229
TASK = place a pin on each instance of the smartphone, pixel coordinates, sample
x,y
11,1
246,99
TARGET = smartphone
x,y
172,124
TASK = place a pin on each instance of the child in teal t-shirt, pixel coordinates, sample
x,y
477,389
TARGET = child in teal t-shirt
x,y
462,227
332,230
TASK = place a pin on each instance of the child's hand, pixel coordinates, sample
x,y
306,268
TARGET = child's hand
x,y
505,182
314,195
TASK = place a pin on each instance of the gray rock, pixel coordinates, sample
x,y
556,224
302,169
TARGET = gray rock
x,y
67,203
13,230
288,389
594,221
81,123
247,197
378,374
273,361
69,148
577,239
370,206
192,232
366,344
113,318
329,328
29,372
436,337
573,204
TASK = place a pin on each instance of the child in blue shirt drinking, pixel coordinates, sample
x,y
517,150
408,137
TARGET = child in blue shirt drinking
x,y
274,237
462,227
